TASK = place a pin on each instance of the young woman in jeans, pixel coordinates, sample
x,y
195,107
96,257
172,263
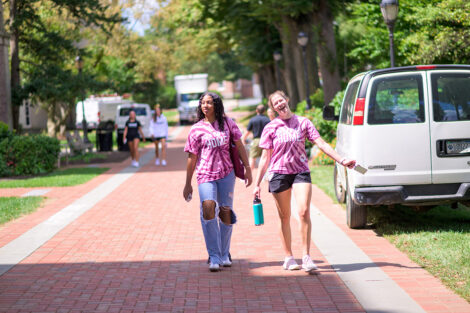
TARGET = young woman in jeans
x,y
283,141
208,154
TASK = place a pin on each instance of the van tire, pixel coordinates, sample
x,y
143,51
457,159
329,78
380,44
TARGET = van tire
x,y
356,215
340,191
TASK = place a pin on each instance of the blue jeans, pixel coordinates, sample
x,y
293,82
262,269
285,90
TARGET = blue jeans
x,y
217,234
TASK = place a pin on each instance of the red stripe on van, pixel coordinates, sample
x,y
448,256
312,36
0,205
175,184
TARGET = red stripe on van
x,y
358,117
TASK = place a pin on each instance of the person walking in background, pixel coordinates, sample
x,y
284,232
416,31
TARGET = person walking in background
x,y
208,153
271,114
131,136
159,133
255,127
283,141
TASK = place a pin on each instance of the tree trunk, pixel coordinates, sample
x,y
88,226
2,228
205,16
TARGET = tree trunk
x,y
326,46
15,62
5,96
57,114
289,66
293,58
267,80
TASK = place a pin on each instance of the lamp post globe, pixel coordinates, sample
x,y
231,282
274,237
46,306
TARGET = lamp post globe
x,y
277,56
79,63
389,10
302,40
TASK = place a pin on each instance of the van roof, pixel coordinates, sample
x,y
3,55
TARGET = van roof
x,y
368,75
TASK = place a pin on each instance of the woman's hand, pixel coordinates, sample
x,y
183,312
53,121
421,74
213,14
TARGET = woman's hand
x,y
188,189
257,192
349,163
248,176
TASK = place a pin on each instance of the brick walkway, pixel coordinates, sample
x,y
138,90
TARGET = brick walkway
x,y
141,250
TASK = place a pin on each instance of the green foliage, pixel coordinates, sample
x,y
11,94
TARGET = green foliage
x,y
167,96
337,101
327,129
28,155
14,207
321,158
4,131
426,32
59,178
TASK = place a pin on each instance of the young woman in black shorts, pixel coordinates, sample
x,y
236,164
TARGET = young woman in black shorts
x,y
131,136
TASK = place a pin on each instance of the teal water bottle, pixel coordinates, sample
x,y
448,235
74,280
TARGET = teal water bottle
x,y
258,212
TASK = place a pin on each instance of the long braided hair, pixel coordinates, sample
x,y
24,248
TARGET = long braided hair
x,y
218,109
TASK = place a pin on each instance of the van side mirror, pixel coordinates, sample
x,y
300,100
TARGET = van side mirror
x,y
329,113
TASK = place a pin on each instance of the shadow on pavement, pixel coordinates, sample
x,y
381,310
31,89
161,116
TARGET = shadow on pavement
x,y
164,286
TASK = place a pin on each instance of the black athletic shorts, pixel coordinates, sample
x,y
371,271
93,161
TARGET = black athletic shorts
x,y
282,182
131,137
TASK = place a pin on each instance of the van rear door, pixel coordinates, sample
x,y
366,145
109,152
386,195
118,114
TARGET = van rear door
x,y
450,126
396,137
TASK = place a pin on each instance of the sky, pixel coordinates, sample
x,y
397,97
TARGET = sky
x,y
140,14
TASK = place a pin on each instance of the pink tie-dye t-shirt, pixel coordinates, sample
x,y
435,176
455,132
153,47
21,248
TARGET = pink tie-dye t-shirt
x,y
286,138
212,148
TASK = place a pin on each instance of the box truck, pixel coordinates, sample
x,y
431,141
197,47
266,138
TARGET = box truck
x,y
188,90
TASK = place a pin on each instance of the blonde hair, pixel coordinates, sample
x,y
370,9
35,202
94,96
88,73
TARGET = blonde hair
x,y
278,93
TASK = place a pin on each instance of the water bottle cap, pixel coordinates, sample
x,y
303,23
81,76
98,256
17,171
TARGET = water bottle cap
x,y
257,200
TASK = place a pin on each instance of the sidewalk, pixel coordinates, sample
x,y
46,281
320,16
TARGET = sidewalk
x,y
141,249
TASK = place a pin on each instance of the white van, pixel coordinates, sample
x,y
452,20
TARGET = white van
x,y
410,128
98,110
143,114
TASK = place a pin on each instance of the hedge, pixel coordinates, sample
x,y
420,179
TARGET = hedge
x,y
27,155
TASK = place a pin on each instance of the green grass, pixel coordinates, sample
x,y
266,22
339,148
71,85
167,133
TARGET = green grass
x,y
68,177
14,207
172,116
322,176
87,157
438,240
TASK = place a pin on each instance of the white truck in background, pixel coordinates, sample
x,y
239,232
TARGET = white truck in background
x,y
188,90
98,109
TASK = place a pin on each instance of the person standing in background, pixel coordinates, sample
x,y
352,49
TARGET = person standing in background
x,y
271,114
159,133
255,127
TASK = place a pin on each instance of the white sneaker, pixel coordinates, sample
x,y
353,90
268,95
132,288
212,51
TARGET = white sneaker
x,y
307,264
227,263
164,162
290,264
214,267
157,162
134,163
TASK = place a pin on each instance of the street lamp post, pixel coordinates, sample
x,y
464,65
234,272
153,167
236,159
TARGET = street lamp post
x,y
79,62
277,58
389,10
302,40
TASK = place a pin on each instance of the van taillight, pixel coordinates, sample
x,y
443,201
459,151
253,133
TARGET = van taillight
x,y
358,117
425,67
99,120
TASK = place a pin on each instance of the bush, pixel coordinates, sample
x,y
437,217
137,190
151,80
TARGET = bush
x,y
320,158
4,132
327,129
28,155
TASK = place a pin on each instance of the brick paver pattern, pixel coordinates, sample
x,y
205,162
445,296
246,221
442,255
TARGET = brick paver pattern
x,y
141,249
